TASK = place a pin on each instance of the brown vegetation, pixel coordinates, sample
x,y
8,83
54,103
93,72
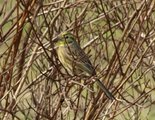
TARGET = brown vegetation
x,y
118,36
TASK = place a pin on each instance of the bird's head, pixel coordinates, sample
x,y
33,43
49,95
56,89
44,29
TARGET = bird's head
x,y
64,39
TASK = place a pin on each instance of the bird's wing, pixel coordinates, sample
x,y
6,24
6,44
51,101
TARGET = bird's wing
x,y
81,60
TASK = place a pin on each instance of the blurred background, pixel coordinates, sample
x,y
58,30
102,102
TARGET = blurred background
x,y
117,35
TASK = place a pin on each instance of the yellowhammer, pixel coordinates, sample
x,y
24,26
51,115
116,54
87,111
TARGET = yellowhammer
x,y
75,61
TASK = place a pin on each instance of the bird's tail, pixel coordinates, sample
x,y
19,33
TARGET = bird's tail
x,y
105,90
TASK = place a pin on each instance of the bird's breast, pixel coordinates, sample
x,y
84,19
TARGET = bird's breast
x,y
64,58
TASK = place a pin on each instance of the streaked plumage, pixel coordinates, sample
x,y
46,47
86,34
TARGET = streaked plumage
x,y
75,60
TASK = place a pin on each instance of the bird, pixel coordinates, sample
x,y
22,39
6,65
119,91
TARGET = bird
x,y
75,60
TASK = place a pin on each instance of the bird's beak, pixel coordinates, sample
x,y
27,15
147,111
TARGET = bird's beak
x,y
55,40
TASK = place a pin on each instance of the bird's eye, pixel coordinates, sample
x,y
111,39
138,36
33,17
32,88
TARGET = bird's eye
x,y
66,37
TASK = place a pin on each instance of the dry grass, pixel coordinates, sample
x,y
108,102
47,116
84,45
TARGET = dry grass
x,y
118,36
